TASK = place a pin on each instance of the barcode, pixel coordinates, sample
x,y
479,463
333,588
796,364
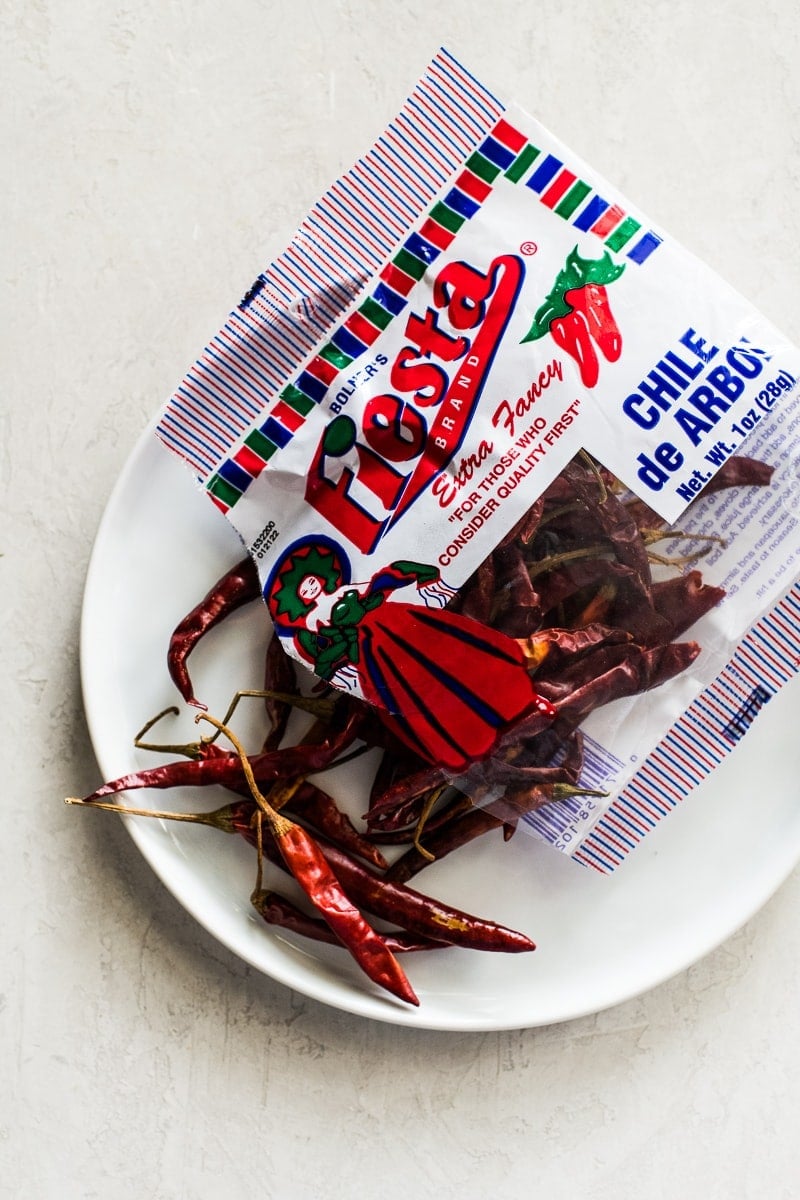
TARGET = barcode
x,y
563,822
600,766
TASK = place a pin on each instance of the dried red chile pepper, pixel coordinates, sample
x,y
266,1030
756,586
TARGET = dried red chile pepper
x,y
278,910
211,764
578,594
237,586
736,471
418,913
572,583
308,864
311,869
414,912
279,676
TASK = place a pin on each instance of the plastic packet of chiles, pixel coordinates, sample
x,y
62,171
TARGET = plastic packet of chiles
x,y
516,475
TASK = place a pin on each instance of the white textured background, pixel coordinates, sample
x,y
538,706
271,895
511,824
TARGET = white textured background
x,y
155,156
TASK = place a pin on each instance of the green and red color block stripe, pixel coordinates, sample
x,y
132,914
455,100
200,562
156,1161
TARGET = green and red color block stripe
x,y
504,152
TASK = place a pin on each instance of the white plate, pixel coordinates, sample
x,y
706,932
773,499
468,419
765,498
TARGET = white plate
x,y
697,878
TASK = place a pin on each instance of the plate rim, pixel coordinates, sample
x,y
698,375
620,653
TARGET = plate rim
x,y
365,1003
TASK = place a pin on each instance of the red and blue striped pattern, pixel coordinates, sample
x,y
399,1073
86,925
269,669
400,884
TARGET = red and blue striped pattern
x,y
235,409
450,134
766,658
345,240
503,153
386,300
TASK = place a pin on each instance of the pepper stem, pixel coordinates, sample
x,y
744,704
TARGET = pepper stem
x,y
678,560
258,822
317,706
554,513
593,467
218,819
563,791
427,809
189,749
555,560
280,825
649,536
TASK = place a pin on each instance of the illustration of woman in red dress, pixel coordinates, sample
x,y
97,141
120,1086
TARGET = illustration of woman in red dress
x,y
449,685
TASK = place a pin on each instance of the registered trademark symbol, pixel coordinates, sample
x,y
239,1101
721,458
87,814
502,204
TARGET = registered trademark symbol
x,y
528,248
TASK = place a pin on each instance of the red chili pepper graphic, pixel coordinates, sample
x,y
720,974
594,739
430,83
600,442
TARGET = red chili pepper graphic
x,y
591,301
572,333
577,313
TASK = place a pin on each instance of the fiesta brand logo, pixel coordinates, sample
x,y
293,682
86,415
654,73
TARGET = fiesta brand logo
x,y
362,480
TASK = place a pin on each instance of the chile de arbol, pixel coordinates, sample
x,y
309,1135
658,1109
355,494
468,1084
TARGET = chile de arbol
x,y
407,436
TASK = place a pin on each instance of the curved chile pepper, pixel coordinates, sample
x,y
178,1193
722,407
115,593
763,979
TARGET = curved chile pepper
x,y
238,586
310,867
213,765
277,910
411,910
